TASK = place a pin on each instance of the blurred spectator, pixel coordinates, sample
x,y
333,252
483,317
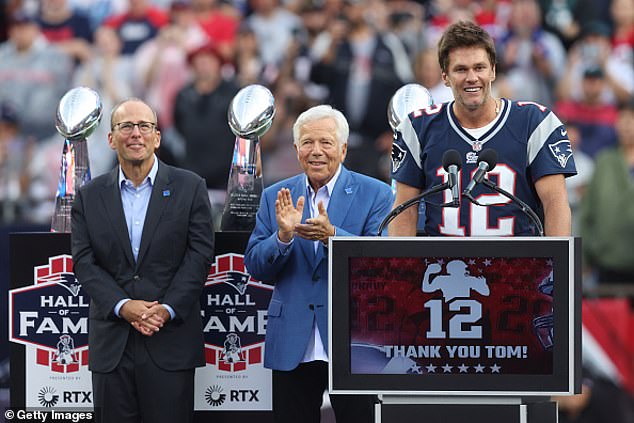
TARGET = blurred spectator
x,y
140,23
110,74
576,185
622,12
15,151
249,66
362,69
492,15
200,117
33,76
427,73
531,58
274,26
600,401
160,64
405,19
594,50
607,218
278,160
67,29
594,117
98,10
220,21
565,18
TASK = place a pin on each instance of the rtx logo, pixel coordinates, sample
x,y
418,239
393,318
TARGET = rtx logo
x,y
47,397
214,395
244,395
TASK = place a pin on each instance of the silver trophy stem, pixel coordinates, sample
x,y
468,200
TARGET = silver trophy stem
x,y
74,172
244,187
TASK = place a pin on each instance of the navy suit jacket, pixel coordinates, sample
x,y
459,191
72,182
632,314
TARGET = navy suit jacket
x,y
172,266
357,206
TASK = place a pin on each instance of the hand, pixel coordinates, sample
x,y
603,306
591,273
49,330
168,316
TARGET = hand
x,y
286,215
157,315
144,315
434,268
318,228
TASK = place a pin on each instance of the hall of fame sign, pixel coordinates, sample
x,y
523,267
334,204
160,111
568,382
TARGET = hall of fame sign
x,y
234,312
50,318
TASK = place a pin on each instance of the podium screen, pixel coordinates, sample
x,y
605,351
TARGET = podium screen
x,y
470,316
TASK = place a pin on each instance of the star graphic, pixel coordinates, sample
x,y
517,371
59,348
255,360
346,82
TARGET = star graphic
x,y
463,368
472,262
431,368
441,261
415,369
487,262
495,368
479,368
557,150
447,368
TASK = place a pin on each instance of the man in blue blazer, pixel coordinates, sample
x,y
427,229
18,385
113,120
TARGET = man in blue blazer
x,y
288,248
142,241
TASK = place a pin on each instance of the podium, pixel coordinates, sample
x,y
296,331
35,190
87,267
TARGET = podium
x,y
484,329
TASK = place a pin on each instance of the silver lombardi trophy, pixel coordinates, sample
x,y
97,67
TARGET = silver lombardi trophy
x,y
405,100
78,115
250,115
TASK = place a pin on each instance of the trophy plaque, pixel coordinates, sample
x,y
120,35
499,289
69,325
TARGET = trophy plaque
x,y
250,115
78,115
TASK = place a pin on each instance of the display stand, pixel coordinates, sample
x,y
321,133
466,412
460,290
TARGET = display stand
x,y
48,314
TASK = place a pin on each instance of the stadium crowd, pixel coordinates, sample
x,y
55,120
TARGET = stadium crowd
x,y
188,58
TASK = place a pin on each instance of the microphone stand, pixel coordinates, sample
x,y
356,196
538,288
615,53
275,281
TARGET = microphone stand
x,y
522,205
415,200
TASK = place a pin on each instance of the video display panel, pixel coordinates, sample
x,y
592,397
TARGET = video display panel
x,y
451,315
468,316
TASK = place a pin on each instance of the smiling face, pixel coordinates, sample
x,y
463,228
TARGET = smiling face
x,y
319,151
135,148
469,75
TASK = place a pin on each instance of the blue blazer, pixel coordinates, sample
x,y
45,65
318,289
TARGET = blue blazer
x,y
357,206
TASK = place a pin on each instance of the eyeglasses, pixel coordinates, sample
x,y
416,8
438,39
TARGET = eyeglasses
x,y
126,128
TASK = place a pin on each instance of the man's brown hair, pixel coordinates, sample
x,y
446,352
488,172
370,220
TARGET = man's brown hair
x,y
464,34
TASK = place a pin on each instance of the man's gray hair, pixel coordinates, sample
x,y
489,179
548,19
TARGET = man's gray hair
x,y
342,130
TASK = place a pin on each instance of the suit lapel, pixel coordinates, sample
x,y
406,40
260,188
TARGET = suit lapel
x,y
341,198
111,197
159,198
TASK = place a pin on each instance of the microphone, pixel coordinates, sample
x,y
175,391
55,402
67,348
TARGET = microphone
x,y
452,162
487,160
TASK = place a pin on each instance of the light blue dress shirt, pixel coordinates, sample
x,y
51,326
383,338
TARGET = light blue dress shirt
x,y
135,202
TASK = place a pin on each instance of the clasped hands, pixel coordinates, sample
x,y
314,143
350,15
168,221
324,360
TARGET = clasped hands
x,y
289,220
147,317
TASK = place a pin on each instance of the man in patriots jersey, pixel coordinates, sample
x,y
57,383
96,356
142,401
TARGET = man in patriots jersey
x,y
534,154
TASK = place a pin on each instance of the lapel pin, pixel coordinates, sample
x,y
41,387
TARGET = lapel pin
x,y
348,190
166,193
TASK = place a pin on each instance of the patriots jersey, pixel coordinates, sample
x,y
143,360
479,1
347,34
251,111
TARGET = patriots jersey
x,y
530,141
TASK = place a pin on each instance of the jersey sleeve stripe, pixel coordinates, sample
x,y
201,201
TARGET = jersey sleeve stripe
x,y
541,134
410,139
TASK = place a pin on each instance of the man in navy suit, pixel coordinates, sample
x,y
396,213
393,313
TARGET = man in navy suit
x,y
288,248
142,241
